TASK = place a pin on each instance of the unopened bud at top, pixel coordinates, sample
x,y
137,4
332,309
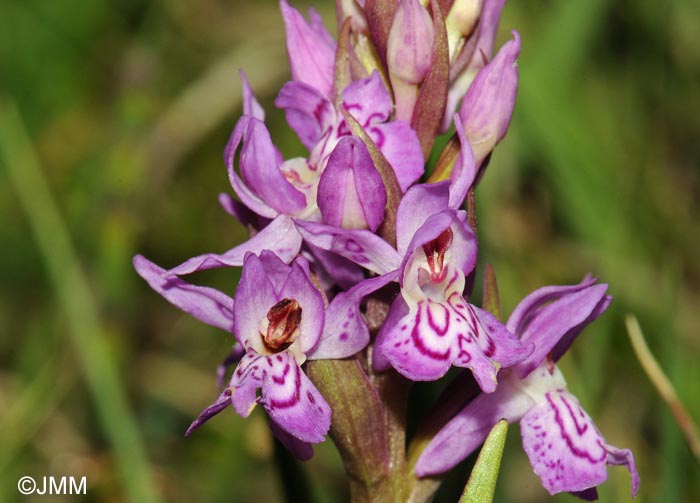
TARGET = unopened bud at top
x,y
409,54
351,193
488,105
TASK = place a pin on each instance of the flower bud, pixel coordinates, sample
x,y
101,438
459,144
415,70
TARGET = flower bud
x,y
409,54
460,22
351,193
488,105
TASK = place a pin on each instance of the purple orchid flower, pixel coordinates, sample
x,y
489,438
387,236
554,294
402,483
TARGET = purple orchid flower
x,y
279,318
565,448
430,326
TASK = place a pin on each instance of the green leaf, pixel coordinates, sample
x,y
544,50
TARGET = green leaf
x,y
482,481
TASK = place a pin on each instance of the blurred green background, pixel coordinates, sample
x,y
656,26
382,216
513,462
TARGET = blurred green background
x,y
113,117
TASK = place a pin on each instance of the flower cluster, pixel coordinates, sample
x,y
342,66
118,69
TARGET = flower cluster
x,y
352,219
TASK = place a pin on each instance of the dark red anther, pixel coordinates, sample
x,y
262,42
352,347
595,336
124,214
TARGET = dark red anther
x,y
435,253
284,318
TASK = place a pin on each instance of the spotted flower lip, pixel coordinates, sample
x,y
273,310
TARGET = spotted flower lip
x,y
565,448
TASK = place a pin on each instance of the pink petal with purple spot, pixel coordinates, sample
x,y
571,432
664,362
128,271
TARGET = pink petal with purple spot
x,y
565,448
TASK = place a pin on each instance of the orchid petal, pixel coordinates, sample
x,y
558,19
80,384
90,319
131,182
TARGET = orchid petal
x,y
345,331
565,448
465,169
526,310
351,192
308,112
206,304
247,196
488,105
368,100
416,206
292,401
469,428
223,401
280,236
561,321
260,170
310,48
360,246
301,450
251,107
401,148
397,311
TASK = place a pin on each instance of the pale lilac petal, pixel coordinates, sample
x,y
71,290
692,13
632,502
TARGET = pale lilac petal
x,y
276,271
251,107
255,295
308,112
260,170
345,331
550,318
416,206
465,169
464,433
292,401
247,196
301,450
280,237
351,192
246,380
555,320
567,339
368,100
530,305
223,401
401,147
488,105
310,48
300,288
360,246
565,448
206,304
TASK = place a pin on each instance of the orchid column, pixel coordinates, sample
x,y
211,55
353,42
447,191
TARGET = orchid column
x,y
356,280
